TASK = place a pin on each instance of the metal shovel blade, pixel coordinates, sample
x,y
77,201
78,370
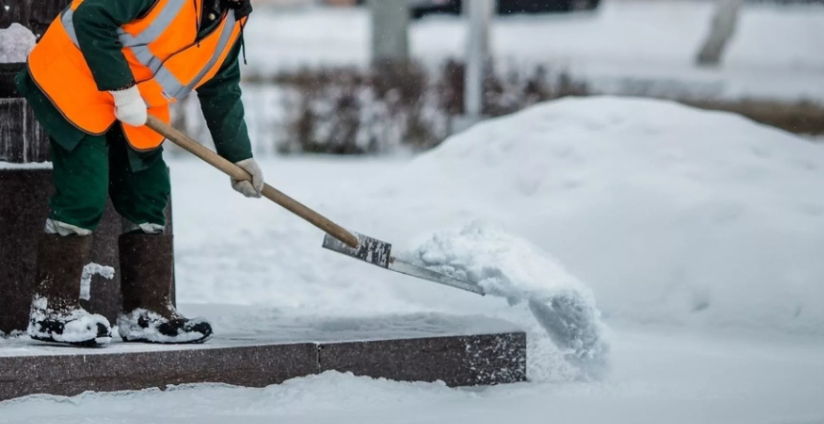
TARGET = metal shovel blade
x,y
379,253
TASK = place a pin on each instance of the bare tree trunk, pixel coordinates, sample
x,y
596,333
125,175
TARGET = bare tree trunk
x,y
721,31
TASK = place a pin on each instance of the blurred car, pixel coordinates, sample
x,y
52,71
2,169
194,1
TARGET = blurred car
x,y
422,8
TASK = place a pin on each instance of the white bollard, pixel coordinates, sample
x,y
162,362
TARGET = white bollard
x,y
479,14
390,30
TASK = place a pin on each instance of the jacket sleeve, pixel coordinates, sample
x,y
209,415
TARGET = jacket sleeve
x,y
223,110
96,23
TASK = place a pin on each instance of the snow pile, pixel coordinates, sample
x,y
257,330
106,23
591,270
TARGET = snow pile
x,y
15,43
671,214
89,271
512,268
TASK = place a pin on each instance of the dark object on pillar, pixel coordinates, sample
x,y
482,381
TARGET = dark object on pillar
x,y
35,15
22,140
463,360
9,13
42,13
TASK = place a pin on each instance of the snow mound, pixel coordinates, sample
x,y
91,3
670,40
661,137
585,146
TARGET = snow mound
x,y
512,268
15,43
671,215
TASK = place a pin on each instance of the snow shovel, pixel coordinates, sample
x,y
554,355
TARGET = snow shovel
x,y
338,239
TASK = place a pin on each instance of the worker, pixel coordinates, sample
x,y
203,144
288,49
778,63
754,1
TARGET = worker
x,y
98,72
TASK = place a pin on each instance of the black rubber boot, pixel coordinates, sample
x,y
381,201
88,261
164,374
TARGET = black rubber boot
x,y
146,283
56,315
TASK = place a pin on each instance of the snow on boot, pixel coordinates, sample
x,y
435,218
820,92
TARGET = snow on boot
x,y
56,314
146,284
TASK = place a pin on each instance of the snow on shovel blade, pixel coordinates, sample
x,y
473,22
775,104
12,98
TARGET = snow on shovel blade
x,y
379,253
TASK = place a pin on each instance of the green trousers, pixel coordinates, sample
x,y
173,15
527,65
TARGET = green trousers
x,y
99,168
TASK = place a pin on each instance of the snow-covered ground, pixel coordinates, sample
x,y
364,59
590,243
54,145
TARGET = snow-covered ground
x,y
700,235
658,376
627,46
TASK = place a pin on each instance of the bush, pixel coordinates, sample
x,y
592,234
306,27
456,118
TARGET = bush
x,y
350,111
507,91
387,107
411,107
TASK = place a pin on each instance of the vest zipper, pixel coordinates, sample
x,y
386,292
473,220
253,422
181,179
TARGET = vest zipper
x,y
198,16
243,41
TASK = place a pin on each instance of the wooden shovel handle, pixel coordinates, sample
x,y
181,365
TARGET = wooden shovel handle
x,y
239,173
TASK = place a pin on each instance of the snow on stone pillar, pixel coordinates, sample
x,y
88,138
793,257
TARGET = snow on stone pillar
x,y
390,30
479,13
722,29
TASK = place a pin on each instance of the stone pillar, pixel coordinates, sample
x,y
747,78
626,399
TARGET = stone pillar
x,y
25,191
35,15
26,185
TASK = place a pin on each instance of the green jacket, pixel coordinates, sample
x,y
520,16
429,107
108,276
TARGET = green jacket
x,y
96,24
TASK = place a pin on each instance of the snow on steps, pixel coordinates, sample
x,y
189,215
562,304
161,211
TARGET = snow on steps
x,y
459,351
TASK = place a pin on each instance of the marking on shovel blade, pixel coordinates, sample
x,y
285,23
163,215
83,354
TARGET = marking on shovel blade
x,y
377,252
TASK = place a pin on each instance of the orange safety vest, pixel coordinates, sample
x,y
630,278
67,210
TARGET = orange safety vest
x,y
161,48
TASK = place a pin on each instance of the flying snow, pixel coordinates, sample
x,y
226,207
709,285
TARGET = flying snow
x,y
513,268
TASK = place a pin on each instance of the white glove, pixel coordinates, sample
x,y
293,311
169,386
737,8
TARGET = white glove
x,y
246,188
129,106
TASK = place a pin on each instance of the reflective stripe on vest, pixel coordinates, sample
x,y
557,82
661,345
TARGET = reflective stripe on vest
x,y
155,28
139,45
